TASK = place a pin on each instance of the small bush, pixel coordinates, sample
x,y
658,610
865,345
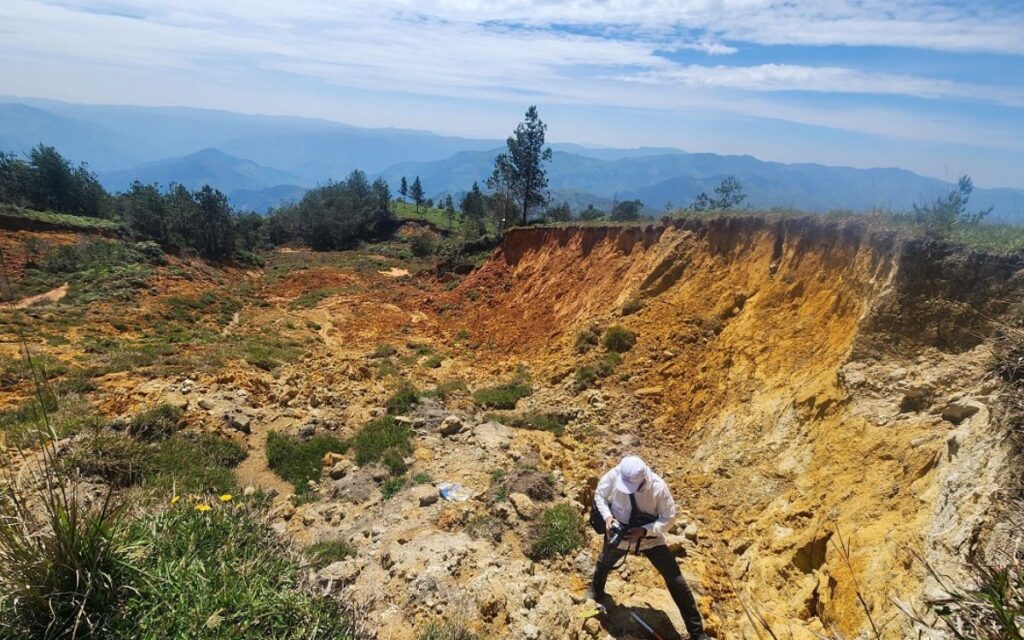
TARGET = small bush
x,y
502,396
321,554
158,423
619,339
404,399
560,532
422,245
532,420
300,461
631,306
586,340
421,478
385,441
433,362
383,351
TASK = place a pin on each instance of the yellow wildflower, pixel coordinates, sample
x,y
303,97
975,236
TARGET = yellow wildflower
x,y
175,499
227,497
203,507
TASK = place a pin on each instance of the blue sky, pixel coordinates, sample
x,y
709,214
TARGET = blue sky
x,y
932,86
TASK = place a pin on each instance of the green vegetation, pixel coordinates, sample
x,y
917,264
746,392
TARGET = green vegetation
x,y
618,339
434,361
392,486
608,363
505,396
383,351
59,220
403,399
447,631
728,195
519,172
560,531
421,478
300,461
532,420
586,376
222,574
422,245
184,463
67,568
157,423
384,441
586,340
321,554
335,215
447,389
67,415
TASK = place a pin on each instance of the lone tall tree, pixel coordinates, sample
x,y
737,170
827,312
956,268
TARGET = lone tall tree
x,y
403,188
521,167
417,193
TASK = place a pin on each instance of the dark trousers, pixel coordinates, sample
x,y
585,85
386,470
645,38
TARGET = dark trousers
x,y
665,563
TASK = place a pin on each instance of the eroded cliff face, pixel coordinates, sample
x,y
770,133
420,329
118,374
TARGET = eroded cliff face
x,y
818,395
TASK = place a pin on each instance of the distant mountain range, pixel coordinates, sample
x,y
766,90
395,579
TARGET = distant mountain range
x,y
264,161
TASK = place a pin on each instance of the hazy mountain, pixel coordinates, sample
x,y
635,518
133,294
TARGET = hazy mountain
x,y
209,166
264,160
678,177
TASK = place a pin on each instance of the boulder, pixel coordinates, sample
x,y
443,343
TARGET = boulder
x,y
451,426
523,505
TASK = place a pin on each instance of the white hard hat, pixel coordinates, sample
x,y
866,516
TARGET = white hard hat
x,y
632,474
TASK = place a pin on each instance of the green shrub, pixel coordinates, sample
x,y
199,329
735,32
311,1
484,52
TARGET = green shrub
x,y
392,486
632,306
403,399
532,420
447,631
421,245
559,532
157,423
385,441
503,396
585,377
300,461
383,351
421,478
433,362
321,554
619,339
586,340
223,574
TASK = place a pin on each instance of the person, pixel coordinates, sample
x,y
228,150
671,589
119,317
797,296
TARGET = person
x,y
634,495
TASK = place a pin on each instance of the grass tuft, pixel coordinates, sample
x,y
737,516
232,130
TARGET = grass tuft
x,y
157,423
321,554
403,399
384,441
560,531
299,461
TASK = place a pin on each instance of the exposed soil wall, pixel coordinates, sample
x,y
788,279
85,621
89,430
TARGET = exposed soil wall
x,y
799,376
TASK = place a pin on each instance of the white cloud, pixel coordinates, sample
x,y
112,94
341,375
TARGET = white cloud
x,y
788,77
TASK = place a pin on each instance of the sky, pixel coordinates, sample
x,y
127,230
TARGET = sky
x,y
932,86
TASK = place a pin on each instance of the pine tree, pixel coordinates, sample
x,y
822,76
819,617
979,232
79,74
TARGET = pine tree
x,y
449,210
521,167
403,189
417,193
474,208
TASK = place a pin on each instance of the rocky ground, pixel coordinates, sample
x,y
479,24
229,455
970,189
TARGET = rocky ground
x,y
757,389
